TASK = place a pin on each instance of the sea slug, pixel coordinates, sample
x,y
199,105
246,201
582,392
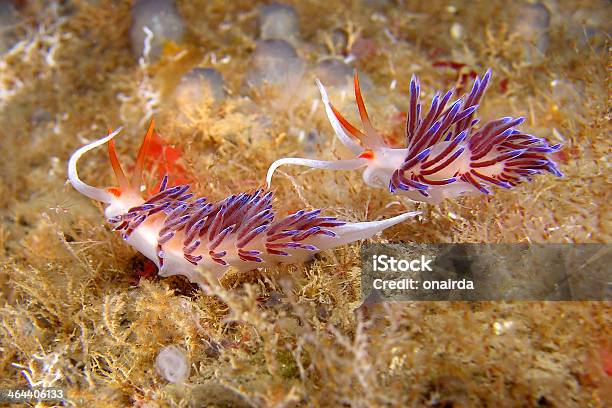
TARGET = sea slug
x,y
185,235
446,156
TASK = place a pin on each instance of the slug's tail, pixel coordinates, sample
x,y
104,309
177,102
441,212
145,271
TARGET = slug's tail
x,y
351,232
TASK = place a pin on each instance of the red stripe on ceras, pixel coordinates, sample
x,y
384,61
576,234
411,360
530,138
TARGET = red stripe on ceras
x,y
444,164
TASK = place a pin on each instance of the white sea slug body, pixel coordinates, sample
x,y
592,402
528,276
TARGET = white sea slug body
x,y
446,154
183,235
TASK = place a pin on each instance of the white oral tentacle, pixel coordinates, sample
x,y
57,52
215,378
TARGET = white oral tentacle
x,y
350,164
73,176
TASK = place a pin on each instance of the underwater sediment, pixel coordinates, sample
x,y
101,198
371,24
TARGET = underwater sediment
x,y
231,86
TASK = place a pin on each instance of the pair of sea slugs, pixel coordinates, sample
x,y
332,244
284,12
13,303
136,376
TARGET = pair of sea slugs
x,y
447,154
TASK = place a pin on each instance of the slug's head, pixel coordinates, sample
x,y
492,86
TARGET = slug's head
x,y
126,194
364,142
367,145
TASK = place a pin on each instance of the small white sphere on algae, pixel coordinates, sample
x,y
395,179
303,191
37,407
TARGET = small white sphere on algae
x,y
172,364
161,19
278,21
198,85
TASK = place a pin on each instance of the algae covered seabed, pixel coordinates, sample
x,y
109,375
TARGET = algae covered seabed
x,y
81,310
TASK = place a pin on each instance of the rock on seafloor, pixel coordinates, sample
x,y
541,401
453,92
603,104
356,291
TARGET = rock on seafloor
x,y
339,41
275,62
9,18
590,26
199,85
532,23
172,364
278,21
376,4
334,72
164,21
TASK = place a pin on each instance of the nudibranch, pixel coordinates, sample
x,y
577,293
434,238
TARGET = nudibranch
x,y
185,235
447,154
